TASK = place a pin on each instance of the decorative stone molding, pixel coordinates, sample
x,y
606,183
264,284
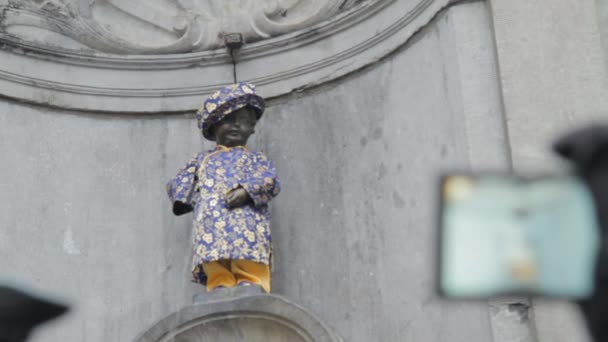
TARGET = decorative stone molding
x,y
259,317
186,25
87,80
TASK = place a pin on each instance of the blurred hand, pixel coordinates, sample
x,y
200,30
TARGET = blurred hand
x,y
587,148
237,198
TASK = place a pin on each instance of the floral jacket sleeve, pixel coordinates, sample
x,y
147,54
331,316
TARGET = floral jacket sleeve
x,y
182,187
261,182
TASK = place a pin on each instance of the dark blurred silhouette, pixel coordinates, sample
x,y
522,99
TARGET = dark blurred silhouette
x,y
20,313
587,148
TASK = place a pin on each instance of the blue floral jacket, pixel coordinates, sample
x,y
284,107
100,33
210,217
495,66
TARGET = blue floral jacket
x,y
221,232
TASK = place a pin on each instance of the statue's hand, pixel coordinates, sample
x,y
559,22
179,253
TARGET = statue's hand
x,y
237,197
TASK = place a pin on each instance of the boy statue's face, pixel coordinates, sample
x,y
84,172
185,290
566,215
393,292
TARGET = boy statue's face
x,y
236,128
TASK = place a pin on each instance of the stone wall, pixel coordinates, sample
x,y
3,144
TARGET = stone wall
x,y
85,215
87,218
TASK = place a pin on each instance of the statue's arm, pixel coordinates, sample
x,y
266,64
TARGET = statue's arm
x,y
182,187
262,183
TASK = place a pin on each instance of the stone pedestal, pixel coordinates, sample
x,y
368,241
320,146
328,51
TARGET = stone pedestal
x,y
239,314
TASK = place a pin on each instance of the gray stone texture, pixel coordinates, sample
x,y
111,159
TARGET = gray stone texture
x,y
552,73
158,27
174,82
85,215
553,79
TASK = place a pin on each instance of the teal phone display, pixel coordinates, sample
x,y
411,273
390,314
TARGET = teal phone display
x,y
506,235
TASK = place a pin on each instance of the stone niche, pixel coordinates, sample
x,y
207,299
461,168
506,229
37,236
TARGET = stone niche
x,y
240,316
160,56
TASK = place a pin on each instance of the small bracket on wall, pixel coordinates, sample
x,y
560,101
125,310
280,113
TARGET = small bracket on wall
x,y
233,42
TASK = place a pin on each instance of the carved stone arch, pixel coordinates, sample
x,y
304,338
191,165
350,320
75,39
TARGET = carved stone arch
x,y
167,78
250,318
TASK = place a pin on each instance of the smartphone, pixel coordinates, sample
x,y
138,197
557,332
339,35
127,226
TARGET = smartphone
x,y
512,235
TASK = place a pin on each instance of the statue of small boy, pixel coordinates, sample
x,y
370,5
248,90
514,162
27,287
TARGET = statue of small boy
x,y
228,188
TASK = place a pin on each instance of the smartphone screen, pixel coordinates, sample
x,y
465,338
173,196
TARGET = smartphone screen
x,y
503,234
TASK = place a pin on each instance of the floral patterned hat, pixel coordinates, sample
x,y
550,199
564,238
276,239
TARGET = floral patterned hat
x,y
225,101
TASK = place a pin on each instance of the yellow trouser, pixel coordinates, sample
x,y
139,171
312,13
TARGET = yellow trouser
x,y
229,273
